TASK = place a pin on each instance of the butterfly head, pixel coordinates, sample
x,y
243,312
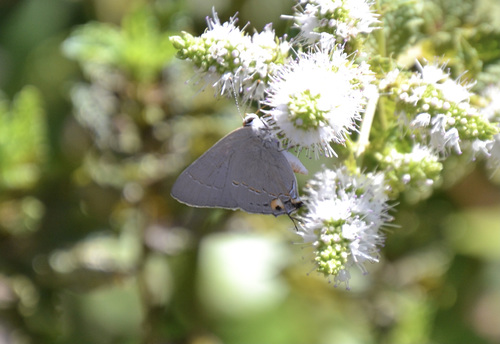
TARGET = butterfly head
x,y
252,120
259,127
285,205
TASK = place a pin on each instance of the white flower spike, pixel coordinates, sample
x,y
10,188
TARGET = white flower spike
x,y
345,215
317,100
334,20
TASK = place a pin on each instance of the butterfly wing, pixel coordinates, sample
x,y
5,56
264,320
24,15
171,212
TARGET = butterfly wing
x,y
240,171
204,183
260,174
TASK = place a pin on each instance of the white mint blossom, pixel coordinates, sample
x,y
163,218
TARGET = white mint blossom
x,y
441,138
414,172
334,20
317,99
345,214
452,90
230,60
437,109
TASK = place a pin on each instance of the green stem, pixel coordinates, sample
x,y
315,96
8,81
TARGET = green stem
x,y
366,124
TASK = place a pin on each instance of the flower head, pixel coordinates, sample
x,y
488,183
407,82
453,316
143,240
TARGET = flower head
x,y
317,99
444,118
345,213
334,20
415,172
232,61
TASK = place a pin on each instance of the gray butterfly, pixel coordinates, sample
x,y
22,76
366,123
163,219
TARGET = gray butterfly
x,y
245,170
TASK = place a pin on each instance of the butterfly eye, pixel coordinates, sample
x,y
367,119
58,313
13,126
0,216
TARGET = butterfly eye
x,y
277,205
297,204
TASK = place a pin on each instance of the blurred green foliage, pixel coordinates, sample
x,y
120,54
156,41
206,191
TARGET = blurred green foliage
x,y
22,140
23,153
96,121
137,48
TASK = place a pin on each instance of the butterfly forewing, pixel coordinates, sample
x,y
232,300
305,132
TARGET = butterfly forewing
x,y
204,182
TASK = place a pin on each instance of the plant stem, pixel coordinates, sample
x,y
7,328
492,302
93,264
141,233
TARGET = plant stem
x,y
366,124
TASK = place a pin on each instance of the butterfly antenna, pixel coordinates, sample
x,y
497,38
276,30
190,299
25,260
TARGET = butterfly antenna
x,y
294,221
235,95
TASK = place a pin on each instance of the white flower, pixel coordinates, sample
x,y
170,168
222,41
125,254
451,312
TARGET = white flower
x,y
413,173
455,92
422,120
420,153
317,99
345,214
481,148
227,31
335,20
442,138
451,90
389,79
230,60
432,74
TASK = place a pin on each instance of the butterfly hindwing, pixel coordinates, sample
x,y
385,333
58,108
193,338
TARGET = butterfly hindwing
x,y
260,173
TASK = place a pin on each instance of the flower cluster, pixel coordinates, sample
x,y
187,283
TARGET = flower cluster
x,y
232,61
333,20
345,215
415,173
316,99
437,110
